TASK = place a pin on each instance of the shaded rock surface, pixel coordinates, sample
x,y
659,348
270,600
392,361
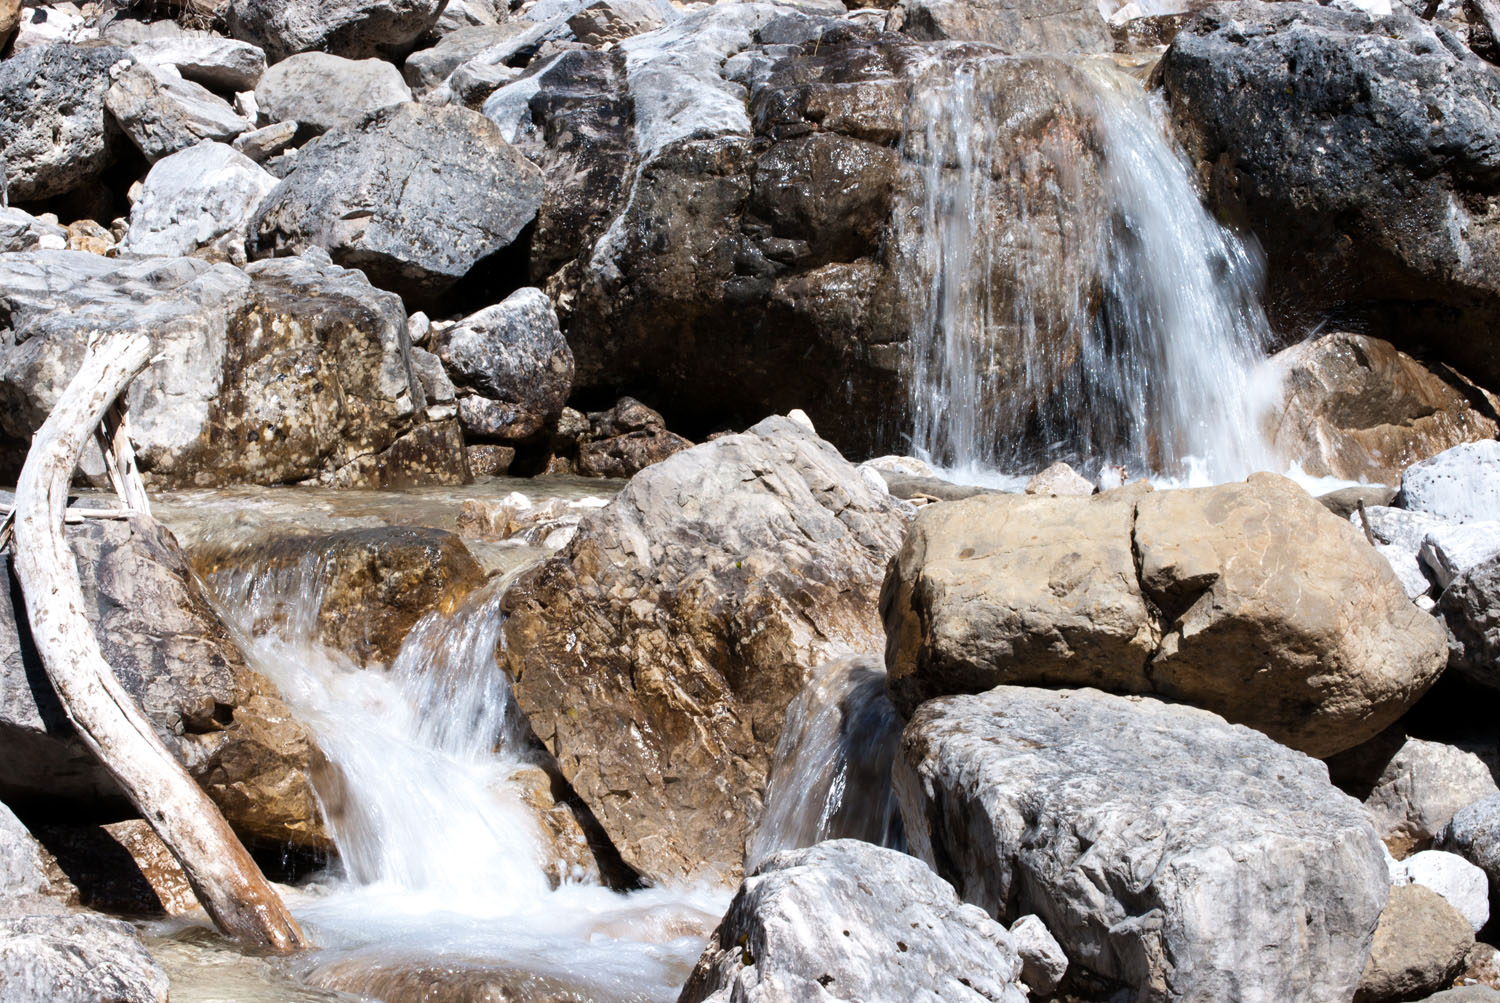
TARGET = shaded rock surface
x,y
1341,139
225,723
413,195
53,127
351,28
1358,409
845,920
1250,600
1140,832
289,370
657,654
1474,834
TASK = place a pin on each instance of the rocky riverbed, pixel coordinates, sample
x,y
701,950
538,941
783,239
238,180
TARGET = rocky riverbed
x,y
862,500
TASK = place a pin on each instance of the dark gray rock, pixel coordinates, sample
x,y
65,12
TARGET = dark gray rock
x,y
1142,833
513,357
414,196
848,921
53,127
1470,607
320,91
427,68
356,29
163,113
1474,834
1365,153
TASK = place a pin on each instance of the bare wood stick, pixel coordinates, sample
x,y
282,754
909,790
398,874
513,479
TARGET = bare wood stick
x,y
1364,520
228,883
113,435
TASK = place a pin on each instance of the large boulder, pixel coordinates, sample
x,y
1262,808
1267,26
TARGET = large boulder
x,y
847,921
1355,408
1251,600
414,196
657,653
353,28
367,587
512,363
1459,485
1474,834
290,370
1340,138
225,723
162,113
198,201
53,126
319,91
1162,846
49,956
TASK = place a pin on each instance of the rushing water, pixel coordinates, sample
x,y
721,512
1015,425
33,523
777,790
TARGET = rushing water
x,y
1071,298
447,875
831,777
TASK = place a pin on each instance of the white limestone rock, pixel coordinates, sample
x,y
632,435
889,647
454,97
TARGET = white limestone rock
x,y
1461,484
198,201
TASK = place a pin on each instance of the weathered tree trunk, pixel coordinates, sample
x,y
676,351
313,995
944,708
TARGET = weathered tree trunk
x,y
227,881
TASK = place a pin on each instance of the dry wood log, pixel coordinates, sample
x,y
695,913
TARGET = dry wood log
x,y
227,881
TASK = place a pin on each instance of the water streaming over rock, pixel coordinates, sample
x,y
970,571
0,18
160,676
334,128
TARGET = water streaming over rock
x,y
447,874
831,778
1071,298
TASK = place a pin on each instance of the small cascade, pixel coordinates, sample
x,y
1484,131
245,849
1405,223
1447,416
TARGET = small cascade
x,y
1071,298
443,860
831,778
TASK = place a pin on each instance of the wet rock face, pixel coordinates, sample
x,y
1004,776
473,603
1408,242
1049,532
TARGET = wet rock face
x,y
53,127
414,196
753,196
289,370
1140,832
370,586
1341,139
1250,600
227,724
845,920
1358,409
657,654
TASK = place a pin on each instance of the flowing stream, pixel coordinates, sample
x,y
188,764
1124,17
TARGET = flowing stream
x,y
447,875
1071,298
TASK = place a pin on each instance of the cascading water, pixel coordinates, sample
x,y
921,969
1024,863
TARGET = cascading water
x,y
424,793
1071,298
831,777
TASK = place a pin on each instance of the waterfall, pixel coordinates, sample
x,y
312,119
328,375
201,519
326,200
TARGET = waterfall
x,y
427,794
1070,297
831,776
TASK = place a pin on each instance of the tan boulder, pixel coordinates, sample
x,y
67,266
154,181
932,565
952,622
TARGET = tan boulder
x,y
1358,409
10,16
657,653
1250,600
1420,945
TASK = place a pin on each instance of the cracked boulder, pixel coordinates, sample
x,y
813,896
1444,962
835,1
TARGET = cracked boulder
x,y
227,724
656,655
53,127
290,370
1166,849
1251,600
414,196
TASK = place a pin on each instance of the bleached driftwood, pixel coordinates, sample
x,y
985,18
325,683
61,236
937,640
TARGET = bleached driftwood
x,y
227,881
